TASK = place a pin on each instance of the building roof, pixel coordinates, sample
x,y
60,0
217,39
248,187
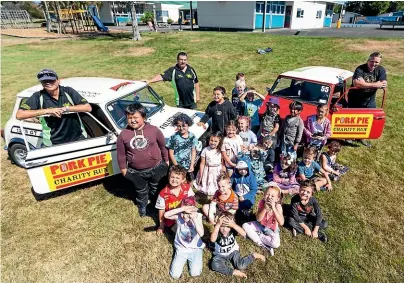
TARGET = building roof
x,y
95,90
327,75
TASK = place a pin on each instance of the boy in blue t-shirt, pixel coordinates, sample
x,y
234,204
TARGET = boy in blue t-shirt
x,y
251,107
182,145
308,168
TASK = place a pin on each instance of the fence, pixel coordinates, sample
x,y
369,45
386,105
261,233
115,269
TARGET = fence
x,y
15,19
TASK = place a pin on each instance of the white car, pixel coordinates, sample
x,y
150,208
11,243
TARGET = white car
x,y
66,165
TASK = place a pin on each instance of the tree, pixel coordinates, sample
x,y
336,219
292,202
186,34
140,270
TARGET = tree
x,y
396,6
135,27
369,8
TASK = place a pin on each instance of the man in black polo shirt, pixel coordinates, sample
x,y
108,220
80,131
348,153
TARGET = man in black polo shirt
x,y
55,100
184,81
368,78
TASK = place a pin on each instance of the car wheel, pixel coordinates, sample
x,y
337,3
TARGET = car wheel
x,y
18,153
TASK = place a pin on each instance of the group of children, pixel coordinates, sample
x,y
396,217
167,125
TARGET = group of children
x,y
237,163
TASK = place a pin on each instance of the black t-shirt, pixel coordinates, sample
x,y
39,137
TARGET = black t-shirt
x,y
61,130
184,87
301,212
220,114
366,98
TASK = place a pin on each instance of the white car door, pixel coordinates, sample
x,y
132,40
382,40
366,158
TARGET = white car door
x,y
66,165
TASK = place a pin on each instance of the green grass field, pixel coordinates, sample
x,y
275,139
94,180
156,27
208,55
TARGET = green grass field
x,y
95,234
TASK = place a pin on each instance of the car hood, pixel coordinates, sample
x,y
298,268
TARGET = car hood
x,y
165,117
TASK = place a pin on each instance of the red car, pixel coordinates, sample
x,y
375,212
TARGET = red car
x,y
314,85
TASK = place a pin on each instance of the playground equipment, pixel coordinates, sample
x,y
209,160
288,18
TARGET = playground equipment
x,y
94,14
19,19
73,20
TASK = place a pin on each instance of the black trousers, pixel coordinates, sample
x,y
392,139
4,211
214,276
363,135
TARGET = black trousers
x,y
309,221
148,183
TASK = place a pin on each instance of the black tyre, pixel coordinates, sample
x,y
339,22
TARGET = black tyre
x,y
17,153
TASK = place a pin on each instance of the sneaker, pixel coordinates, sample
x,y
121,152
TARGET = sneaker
x,y
142,211
365,143
294,232
322,237
271,251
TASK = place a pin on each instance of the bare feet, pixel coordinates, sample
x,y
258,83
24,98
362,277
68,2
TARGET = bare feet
x,y
239,273
259,256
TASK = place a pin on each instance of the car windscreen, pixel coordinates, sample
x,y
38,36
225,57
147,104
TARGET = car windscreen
x,y
145,96
301,90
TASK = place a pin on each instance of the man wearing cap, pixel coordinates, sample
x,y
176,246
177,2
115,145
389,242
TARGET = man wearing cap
x,y
55,100
368,78
184,81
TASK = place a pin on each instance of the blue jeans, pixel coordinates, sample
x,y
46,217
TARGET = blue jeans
x,y
194,258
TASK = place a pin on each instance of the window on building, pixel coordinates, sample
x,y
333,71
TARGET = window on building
x,y
276,7
318,14
160,13
300,13
259,7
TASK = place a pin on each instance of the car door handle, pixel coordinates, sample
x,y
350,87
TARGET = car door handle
x,y
379,117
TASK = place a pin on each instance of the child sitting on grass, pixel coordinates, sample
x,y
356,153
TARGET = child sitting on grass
x,y
245,186
226,256
188,243
308,168
182,145
284,175
171,196
223,200
305,214
328,161
265,231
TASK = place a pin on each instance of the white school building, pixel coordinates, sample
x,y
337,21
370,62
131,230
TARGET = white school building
x,y
249,15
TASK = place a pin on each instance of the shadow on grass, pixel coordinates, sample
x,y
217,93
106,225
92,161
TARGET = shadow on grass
x,y
43,197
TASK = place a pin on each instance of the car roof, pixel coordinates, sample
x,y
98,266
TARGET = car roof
x,y
95,90
327,75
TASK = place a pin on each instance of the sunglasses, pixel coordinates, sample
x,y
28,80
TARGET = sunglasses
x,y
42,74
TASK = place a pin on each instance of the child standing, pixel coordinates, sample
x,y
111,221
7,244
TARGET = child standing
x,y
248,137
245,186
251,107
221,110
182,145
232,145
317,128
292,129
211,165
329,164
223,200
305,214
284,175
308,168
238,90
226,257
265,231
271,119
172,195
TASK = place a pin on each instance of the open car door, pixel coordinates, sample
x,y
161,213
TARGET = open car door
x,y
61,166
357,123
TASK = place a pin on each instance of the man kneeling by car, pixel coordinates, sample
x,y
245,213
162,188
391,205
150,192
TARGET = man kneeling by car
x,y
55,100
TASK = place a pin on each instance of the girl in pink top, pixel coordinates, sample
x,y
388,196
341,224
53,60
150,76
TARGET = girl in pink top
x,y
265,231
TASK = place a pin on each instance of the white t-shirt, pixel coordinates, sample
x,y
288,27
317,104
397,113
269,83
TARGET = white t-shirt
x,y
186,236
232,147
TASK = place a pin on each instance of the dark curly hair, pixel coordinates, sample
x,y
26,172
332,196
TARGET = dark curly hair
x,y
184,118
